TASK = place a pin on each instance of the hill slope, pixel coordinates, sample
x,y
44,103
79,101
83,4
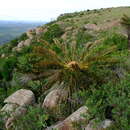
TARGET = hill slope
x,y
57,73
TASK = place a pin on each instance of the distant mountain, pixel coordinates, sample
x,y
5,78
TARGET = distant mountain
x,y
12,29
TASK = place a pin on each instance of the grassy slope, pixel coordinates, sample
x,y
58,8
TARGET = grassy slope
x,y
103,18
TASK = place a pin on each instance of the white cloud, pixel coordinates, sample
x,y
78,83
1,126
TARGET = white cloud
x,y
47,9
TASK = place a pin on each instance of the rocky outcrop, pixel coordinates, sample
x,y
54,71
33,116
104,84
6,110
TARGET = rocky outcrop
x,y
27,42
22,44
16,105
9,108
75,118
40,30
21,97
92,27
30,33
54,98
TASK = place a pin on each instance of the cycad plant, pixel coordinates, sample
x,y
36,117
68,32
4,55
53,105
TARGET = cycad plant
x,y
125,21
75,66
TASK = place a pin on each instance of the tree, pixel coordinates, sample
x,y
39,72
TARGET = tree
x,y
125,21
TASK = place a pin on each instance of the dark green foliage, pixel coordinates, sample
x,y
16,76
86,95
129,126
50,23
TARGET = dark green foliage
x,y
83,37
6,74
116,39
54,31
125,20
6,67
111,101
35,119
2,122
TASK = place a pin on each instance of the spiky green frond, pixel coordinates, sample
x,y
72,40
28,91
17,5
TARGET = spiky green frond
x,y
71,64
125,20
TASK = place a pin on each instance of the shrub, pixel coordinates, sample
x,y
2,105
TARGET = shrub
x,y
83,37
6,67
54,31
35,119
116,39
111,101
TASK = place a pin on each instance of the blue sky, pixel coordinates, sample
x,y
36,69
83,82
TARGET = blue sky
x,y
46,10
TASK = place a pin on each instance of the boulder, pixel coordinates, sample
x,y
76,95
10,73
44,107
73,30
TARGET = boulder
x,y
70,122
16,105
20,44
27,42
3,55
93,27
68,28
39,30
54,98
30,34
9,108
64,36
102,126
21,97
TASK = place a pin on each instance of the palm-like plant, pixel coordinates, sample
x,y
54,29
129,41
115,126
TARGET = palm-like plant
x,y
73,65
125,21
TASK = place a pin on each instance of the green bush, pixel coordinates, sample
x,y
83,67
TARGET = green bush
x,y
34,119
6,67
111,101
116,39
54,31
83,37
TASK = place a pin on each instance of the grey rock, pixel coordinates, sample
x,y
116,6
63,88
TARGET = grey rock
x,y
21,97
68,123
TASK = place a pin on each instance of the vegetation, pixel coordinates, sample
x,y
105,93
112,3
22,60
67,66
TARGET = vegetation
x,y
92,66
35,119
54,31
126,22
110,102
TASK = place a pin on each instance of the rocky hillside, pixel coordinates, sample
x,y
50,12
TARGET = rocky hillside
x,y
69,74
